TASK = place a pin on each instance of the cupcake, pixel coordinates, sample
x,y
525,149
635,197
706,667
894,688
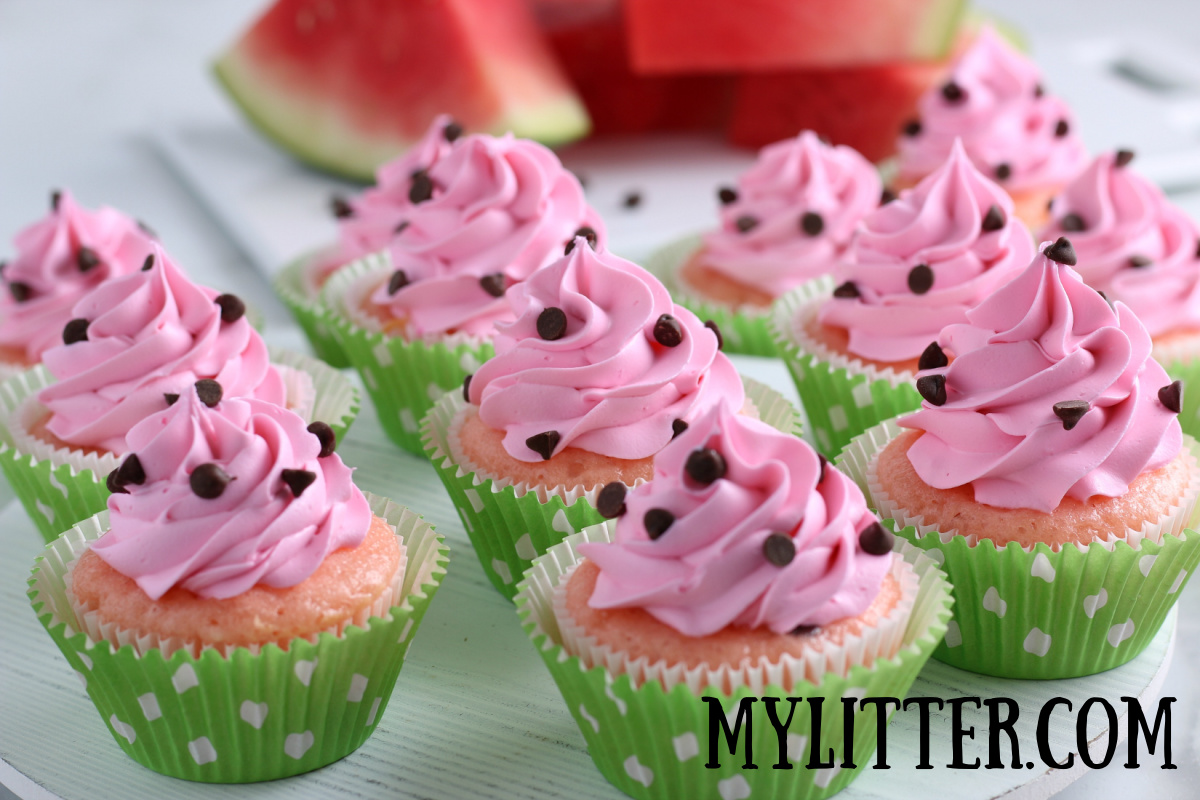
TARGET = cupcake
x,y
1014,131
366,224
132,346
789,220
748,568
598,372
416,319
1047,468
58,260
241,610
916,265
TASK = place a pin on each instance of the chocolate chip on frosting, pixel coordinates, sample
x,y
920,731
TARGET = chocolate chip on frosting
x,y
397,282
876,540
920,279
589,233
208,481
846,291
171,397
55,198
1123,158
678,426
1062,128
75,331
552,323
933,389
668,331
544,443
131,472
421,188
467,389
994,219
804,630
611,500
86,259
209,391
20,291
1039,90
822,463
452,131
148,264
297,480
1072,223
932,357
325,436
705,465
1070,412
727,195
953,93
1139,261
745,223
232,307
1003,172
779,549
886,196
1171,396
712,326
912,128
812,223
657,520
340,207
401,227
493,284
1061,251
111,483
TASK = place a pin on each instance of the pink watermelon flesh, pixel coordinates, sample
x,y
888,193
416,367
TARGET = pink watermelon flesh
x,y
674,36
345,85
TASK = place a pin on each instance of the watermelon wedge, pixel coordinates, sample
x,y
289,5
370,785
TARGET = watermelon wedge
x,y
345,85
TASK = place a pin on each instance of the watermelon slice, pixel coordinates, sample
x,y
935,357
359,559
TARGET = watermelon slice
x,y
345,85
672,36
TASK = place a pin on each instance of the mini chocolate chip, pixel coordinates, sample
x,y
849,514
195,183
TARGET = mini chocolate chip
x,y
611,500
1104,297
401,227
1070,412
712,326
994,219
552,323
779,549
171,397
113,486
1139,261
55,198
912,127
86,259
1003,172
20,291
804,630
148,264
1062,128
727,195
75,331
705,465
1072,223
678,426
824,462
209,391
812,223
953,93
325,436
1123,158
208,481
932,357
397,282
933,389
656,521
1061,251
340,207
1198,249
467,389
544,443
146,229
632,199
886,196
297,480
421,188
1171,396
452,131
131,471
493,284
846,291
876,540
1038,90
589,233
920,279
232,307
745,223
668,331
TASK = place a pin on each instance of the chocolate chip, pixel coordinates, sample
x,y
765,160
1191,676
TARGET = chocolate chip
x,y
325,436
1072,223
1070,412
552,323
1171,396
467,389
1062,128
1003,172
846,291
86,259
297,480
589,233
232,307
886,196
401,227
812,223
912,127
994,219
705,465
933,389
1104,297
727,195
148,264
340,207
20,291
493,284
131,473
611,500
421,188
1038,90
55,198
876,540
712,326
208,481
113,486
75,331
632,199
1198,249
171,397
932,357
1139,261
544,443
745,223
678,426
452,131
779,549
1061,251
668,331
920,279
1123,158
209,391
804,630
656,521
397,282
824,462
953,93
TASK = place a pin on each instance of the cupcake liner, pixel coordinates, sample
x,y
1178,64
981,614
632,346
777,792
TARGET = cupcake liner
x,y
248,716
745,329
1184,367
1040,612
842,396
60,486
291,286
511,524
651,743
404,378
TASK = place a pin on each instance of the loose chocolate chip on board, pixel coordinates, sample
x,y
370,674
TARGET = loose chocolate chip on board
x,y
953,93
232,307
131,471
209,391
467,389
876,540
1139,261
779,549
678,426
552,323
113,486
55,198
297,480
86,259
493,284
397,282
171,397
340,207
932,357
745,223
1062,128
325,436
1123,158
712,326
1061,251
544,443
20,291
75,331
668,331
632,199
812,223
1003,172
994,219
452,131
912,128
705,465
933,389
920,279
1070,412
611,500
727,195
656,521
1072,223
886,196
208,481
1171,396
421,188
846,291
148,264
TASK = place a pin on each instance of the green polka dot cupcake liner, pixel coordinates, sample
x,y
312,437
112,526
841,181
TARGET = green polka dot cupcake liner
x,y
652,742
842,396
403,378
511,524
60,486
244,716
745,329
292,287
1041,613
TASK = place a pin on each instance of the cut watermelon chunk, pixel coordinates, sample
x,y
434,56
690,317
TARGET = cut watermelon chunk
x,y
346,85
671,36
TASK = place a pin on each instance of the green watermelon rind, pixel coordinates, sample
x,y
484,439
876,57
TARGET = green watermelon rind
x,y
941,30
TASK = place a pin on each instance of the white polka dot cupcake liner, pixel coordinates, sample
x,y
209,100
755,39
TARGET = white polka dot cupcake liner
x,y
745,329
652,743
842,396
1039,612
294,285
60,486
245,716
403,378
510,524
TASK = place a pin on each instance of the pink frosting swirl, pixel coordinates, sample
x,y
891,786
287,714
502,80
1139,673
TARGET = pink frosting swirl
x,y
607,385
257,530
498,209
1010,127
803,200
59,259
920,261
150,333
1045,338
1133,244
710,568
